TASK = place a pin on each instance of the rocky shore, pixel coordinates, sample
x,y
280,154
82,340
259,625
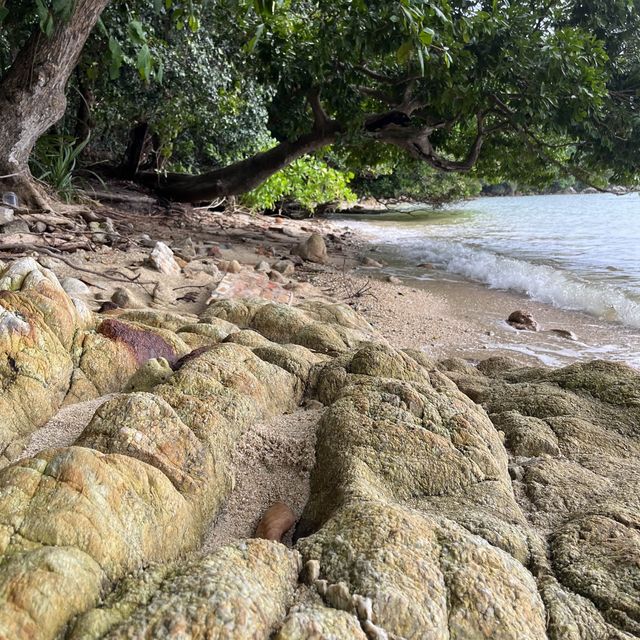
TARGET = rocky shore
x,y
143,438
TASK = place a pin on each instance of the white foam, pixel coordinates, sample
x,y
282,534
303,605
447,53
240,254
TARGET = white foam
x,y
544,283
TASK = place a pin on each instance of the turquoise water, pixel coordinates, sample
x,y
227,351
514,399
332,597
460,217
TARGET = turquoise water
x,y
578,252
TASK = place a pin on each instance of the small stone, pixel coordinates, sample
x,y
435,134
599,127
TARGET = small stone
x,y
146,241
6,215
163,260
75,287
263,266
338,596
312,249
231,266
370,262
40,227
125,299
276,276
311,571
163,294
285,267
313,405
394,280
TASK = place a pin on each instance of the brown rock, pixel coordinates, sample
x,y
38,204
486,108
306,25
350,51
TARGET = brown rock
x,y
276,522
523,321
312,249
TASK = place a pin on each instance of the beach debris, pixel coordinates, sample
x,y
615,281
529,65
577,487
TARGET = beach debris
x,y
312,249
163,260
523,321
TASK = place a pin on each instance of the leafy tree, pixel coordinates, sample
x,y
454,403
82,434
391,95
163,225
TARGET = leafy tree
x,y
504,87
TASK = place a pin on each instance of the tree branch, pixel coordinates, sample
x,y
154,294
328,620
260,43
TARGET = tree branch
x,y
320,118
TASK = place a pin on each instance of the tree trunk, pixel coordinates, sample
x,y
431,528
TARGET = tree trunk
x,y
32,95
243,176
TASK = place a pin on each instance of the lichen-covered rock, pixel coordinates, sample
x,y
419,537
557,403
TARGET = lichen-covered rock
x,y
241,591
578,486
326,328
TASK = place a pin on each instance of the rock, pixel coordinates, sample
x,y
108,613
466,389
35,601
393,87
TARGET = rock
x,y
126,299
146,241
163,294
276,276
188,249
393,280
285,267
312,249
276,522
370,262
589,190
15,226
163,260
154,372
523,321
40,227
6,215
564,333
263,266
75,287
231,266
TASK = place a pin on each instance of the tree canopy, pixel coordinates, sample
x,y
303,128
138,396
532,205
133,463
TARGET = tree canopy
x,y
236,90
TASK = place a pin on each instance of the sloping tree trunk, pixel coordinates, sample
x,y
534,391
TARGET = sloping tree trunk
x,y
32,95
241,177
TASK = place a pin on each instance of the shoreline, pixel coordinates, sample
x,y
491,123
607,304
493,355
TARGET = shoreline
x,y
443,315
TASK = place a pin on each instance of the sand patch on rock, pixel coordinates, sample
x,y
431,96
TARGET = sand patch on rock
x,y
272,463
63,429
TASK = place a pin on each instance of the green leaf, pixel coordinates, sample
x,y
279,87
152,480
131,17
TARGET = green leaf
x,y
143,62
4,12
117,58
404,52
136,32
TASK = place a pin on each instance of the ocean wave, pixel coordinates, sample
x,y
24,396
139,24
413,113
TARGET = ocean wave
x,y
540,282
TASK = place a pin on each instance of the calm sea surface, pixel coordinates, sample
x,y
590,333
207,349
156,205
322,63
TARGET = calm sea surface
x,y
578,252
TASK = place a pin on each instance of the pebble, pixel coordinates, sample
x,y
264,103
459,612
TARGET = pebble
x,y
163,260
370,262
394,280
276,276
126,299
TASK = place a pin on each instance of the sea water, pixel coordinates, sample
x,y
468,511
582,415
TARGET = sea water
x,y
574,252
578,252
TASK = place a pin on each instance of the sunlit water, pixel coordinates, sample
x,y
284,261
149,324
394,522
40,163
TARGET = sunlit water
x,y
578,252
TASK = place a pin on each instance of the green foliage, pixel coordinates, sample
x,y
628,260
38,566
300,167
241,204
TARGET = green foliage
x,y
308,182
54,162
412,180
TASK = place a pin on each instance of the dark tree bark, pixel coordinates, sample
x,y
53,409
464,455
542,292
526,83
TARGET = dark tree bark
x,y
135,149
32,95
243,176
